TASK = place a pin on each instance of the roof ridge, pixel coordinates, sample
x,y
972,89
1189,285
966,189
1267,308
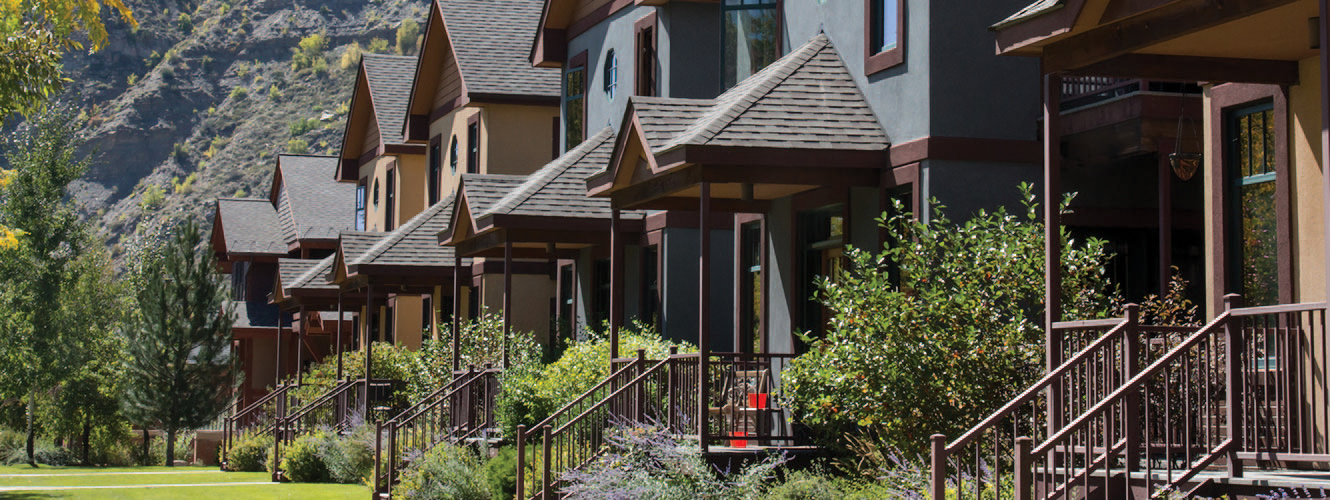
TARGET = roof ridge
x,y
733,103
402,231
309,274
551,171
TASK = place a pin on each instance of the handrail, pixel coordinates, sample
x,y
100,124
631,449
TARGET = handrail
x,y
1134,383
1087,324
579,399
386,460
1277,309
604,401
434,398
336,390
1034,390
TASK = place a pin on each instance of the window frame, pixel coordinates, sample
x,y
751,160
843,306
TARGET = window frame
x,y
875,60
610,75
454,153
473,144
435,169
390,199
645,56
750,271
575,63
778,6
362,203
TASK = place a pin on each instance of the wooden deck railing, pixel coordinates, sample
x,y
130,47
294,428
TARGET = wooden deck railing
x,y
1244,387
458,410
259,416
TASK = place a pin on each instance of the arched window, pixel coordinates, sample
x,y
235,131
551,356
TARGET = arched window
x,y
611,74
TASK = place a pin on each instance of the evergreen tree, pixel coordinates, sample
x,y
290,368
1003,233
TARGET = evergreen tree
x,y
179,355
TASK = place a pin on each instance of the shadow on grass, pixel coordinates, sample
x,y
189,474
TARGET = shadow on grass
x,y
26,495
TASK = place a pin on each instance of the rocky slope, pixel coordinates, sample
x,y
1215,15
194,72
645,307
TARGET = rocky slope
x,y
195,104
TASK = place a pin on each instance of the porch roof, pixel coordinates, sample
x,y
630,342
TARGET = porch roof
x,y
411,248
548,207
1184,40
253,315
798,124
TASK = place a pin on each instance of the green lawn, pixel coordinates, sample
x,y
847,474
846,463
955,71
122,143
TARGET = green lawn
x,y
132,483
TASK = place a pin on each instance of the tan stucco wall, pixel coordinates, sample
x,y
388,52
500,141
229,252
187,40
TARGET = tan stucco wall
x,y
410,197
407,310
531,302
447,126
262,363
514,139
1307,201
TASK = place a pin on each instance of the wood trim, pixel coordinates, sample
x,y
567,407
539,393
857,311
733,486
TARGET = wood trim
x,y
348,170
417,128
1018,35
550,48
448,107
580,59
519,267
1223,99
515,99
595,17
683,219
966,149
1195,68
875,62
645,61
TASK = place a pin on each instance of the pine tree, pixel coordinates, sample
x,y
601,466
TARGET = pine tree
x,y
179,343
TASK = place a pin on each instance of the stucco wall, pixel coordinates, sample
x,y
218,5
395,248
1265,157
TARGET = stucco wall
x,y
679,286
519,138
531,301
407,312
1307,201
446,127
410,199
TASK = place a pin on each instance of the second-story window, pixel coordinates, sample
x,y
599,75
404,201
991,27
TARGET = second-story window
x,y
390,195
360,205
452,156
574,109
882,29
750,39
644,80
611,74
435,170
473,145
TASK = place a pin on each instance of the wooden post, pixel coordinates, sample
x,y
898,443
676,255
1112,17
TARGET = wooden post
x,y
937,485
1165,218
378,452
507,298
703,314
300,351
521,461
1024,476
1324,23
1233,371
277,383
457,312
1131,347
616,285
546,478
369,348
1052,240
340,317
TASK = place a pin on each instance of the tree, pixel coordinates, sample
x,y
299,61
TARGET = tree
x,y
179,356
41,343
932,333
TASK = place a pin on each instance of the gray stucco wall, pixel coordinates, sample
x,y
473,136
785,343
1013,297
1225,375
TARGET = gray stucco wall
x,y
965,187
780,270
976,93
679,286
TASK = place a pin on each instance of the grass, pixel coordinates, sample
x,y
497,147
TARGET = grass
x,y
133,483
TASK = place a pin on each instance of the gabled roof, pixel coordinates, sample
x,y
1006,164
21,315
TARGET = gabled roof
x,y
558,189
1036,9
490,38
413,244
316,276
290,270
248,226
253,315
483,191
389,79
311,205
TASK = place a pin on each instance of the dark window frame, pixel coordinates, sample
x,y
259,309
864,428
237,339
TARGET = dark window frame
x,y
390,199
435,169
575,64
777,6
473,144
610,75
362,202
645,56
875,59
750,272
453,153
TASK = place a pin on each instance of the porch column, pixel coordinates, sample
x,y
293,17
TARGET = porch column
x,y
278,381
1165,218
703,312
338,346
1052,238
300,346
616,284
1325,133
457,312
369,347
507,298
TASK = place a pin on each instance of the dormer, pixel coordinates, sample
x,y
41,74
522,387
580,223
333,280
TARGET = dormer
x,y
375,156
475,102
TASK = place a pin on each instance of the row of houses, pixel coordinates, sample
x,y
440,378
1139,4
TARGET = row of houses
x,y
695,165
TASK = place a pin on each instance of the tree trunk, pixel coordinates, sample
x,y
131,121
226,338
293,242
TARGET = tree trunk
x,y
170,447
32,431
147,452
87,438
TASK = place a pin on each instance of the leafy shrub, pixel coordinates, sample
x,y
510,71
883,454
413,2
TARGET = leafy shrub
x,y
309,55
531,393
239,93
249,454
378,45
301,461
391,361
185,23
501,473
808,485
407,32
445,472
297,146
350,458
45,452
302,126
962,302
351,58
153,197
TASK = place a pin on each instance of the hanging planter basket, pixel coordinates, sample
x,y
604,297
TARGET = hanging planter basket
x,y
1185,165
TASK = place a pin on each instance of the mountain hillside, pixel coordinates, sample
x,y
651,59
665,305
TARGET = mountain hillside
x,y
196,103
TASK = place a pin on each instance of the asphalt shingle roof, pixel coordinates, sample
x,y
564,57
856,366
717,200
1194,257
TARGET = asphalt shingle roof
x,y
389,78
253,314
558,189
250,226
290,270
311,203
316,276
483,191
354,244
414,243
1038,8
491,39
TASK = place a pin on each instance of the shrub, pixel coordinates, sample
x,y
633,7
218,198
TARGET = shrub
x,y
302,126
297,146
153,197
350,458
351,58
45,452
407,32
807,485
445,472
249,454
239,93
391,361
378,45
501,473
310,53
301,461
132,79
962,302
185,23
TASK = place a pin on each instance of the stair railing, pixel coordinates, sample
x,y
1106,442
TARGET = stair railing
x,y
260,416
424,425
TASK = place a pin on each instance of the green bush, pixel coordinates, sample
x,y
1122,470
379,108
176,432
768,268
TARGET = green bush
x,y
297,146
250,453
309,56
45,452
301,461
807,485
501,473
302,126
445,473
350,459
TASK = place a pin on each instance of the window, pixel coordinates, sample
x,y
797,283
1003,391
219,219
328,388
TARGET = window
x,y
360,205
473,145
883,26
644,81
574,107
611,75
452,156
750,41
435,170
650,285
1255,242
600,303
376,192
822,232
427,313
391,196
567,302
750,287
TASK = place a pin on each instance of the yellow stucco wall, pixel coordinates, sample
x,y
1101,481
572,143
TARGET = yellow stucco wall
x,y
446,127
1307,201
407,310
514,139
1211,297
410,199
531,301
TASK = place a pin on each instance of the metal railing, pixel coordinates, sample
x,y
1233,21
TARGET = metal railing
x,y
259,417
1081,91
457,411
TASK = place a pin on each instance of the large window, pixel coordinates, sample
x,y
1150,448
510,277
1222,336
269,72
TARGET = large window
x,y
473,145
1255,244
750,287
883,28
600,303
435,170
751,38
361,194
822,232
574,108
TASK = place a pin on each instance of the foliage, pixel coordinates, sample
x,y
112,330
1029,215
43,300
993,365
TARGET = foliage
x,y
179,344
249,453
351,57
407,33
239,92
649,462
954,338
185,23
445,472
187,185
153,197
349,458
530,393
378,46
309,55
391,361
34,34
301,126
45,452
301,461
501,473
297,146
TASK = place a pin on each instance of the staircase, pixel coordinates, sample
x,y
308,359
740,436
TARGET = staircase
x,y
259,417
1139,411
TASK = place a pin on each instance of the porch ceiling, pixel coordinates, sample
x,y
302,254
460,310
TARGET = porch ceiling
x,y
1284,36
